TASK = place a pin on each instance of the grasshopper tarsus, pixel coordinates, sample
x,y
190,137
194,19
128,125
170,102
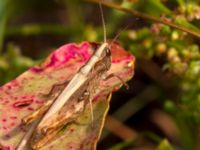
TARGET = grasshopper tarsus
x,y
26,121
47,130
91,110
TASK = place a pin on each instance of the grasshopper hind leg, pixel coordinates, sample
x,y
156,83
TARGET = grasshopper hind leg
x,y
49,132
69,112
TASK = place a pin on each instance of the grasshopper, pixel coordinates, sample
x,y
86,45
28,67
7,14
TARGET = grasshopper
x,y
68,99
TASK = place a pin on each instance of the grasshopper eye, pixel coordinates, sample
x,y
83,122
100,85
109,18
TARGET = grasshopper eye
x,y
108,51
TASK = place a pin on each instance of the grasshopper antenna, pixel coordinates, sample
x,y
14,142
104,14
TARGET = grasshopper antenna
x,y
120,31
103,21
104,32
118,34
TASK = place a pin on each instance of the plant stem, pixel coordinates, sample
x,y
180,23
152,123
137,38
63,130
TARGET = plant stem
x,y
142,15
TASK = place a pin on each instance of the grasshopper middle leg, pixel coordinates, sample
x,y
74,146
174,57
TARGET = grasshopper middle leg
x,y
53,93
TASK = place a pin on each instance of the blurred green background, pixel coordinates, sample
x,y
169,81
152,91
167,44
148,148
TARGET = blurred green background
x,y
161,110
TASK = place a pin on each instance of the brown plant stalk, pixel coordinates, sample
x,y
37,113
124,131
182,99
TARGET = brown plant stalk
x,y
145,16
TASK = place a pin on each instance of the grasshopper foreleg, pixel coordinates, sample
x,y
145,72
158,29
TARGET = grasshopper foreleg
x,y
118,77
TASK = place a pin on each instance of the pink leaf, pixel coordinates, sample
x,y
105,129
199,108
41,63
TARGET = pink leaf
x,y
20,97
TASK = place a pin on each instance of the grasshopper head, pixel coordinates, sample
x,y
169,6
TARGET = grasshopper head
x,y
106,57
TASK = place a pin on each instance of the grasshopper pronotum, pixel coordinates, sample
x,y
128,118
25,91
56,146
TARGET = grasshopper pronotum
x,y
68,104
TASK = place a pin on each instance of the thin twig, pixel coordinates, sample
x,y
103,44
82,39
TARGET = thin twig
x,y
142,15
